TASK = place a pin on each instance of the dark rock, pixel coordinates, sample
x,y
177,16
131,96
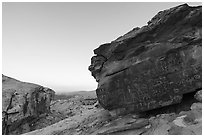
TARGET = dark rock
x,y
97,105
23,103
152,66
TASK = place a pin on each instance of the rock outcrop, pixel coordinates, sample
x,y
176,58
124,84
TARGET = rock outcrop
x,y
152,66
198,95
23,103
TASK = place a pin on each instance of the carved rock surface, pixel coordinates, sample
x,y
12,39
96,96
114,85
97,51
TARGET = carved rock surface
x,y
152,66
22,103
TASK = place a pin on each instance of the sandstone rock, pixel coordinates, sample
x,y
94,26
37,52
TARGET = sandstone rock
x,y
177,130
99,121
124,127
22,103
179,121
196,106
198,95
152,66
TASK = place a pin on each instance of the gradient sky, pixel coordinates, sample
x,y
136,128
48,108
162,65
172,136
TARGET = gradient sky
x,y
51,44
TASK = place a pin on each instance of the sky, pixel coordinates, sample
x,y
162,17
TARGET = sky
x,y
51,44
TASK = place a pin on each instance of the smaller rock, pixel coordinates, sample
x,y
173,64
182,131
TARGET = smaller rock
x,y
198,95
177,130
152,118
97,105
196,106
190,119
135,116
182,113
131,121
148,126
115,129
78,129
179,121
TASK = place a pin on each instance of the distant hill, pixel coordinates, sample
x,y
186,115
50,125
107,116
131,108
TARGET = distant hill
x,y
68,95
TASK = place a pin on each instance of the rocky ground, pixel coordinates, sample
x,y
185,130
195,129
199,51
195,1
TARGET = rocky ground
x,y
80,118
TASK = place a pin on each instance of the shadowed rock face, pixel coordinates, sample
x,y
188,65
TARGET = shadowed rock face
x,y
22,103
152,66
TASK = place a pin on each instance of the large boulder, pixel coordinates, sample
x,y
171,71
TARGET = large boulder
x,y
152,66
22,103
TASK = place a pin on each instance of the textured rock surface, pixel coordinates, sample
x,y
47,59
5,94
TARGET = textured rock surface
x,y
198,95
22,103
152,66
